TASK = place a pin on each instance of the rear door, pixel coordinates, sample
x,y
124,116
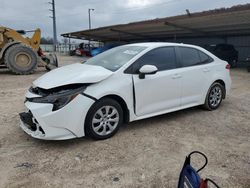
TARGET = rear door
x,y
160,91
196,72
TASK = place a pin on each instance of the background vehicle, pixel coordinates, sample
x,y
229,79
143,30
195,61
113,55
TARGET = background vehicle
x,y
99,50
226,52
248,64
22,54
83,50
124,84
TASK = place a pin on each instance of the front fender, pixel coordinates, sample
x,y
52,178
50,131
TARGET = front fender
x,y
117,85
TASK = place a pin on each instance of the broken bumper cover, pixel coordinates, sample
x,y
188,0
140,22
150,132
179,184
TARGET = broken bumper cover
x,y
68,122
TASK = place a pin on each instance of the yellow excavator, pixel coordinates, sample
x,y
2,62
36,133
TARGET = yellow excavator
x,y
21,54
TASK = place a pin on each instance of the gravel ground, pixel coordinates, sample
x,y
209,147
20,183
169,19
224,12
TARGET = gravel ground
x,y
146,153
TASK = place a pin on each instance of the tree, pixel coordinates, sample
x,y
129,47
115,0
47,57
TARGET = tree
x,y
47,40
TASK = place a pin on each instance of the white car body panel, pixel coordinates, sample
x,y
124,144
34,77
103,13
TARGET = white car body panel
x,y
57,125
31,95
121,86
72,74
158,96
163,92
194,88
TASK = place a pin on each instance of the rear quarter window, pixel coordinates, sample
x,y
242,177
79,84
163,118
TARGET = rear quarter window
x,y
205,58
189,56
192,57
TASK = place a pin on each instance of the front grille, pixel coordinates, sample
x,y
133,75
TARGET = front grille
x,y
27,118
30,125
45,92
38,91
28,99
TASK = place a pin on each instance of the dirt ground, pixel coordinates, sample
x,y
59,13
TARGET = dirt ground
x,y
147,153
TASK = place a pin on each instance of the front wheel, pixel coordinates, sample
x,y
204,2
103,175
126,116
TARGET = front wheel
x,y
103,119
214,96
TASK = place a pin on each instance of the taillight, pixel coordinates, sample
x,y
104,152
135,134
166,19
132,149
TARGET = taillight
x,y
228,66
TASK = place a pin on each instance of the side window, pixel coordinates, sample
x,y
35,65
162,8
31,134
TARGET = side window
x,y
189,56
205,58
163,58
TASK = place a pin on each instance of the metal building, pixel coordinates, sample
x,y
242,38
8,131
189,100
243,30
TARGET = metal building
x,y
225,25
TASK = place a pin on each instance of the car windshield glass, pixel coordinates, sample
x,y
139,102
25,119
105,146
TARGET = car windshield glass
x,y
115,58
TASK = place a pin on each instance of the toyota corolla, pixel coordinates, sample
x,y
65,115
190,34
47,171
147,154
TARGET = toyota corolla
x,y
121,85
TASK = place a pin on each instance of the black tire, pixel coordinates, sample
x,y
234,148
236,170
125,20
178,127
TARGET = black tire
x,y
208,105
21,59
72,52
93,113
2,64
248,68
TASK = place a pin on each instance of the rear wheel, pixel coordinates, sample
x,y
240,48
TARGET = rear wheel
x,y
214,96
103,119
21,59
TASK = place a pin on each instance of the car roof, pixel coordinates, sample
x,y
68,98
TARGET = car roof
x,y
159,44
152,45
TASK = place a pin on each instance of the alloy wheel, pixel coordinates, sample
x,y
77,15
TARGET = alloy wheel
x,y
105,120
215,96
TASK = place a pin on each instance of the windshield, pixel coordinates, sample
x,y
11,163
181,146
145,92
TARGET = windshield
x,y
116,57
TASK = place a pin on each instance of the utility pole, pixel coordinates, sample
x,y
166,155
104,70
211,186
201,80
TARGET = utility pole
x,y
90,9
53,10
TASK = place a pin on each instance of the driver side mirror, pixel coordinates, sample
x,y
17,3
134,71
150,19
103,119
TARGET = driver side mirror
x,y
147,69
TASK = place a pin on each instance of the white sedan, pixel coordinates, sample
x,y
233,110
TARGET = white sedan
x,y
124,84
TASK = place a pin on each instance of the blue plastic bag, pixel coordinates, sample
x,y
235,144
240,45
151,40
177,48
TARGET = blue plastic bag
x,y
190,178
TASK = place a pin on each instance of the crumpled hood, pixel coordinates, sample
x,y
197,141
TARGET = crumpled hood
x,y
72,74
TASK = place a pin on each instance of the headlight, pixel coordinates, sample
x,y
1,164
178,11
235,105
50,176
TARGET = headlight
x,y
59,99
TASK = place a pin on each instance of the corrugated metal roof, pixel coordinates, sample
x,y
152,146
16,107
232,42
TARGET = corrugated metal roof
x,y
218,22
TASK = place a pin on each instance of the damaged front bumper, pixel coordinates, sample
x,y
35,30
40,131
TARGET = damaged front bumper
x,y
30,125
40,121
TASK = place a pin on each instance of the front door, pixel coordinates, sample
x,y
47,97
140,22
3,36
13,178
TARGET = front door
x,y
161,91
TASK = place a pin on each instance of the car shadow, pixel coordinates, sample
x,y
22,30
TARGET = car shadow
x,y
136,125
164,118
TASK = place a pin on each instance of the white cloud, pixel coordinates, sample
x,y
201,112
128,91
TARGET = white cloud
x,y
138,3
73,15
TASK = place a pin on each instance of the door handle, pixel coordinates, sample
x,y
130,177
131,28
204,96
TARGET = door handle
x,y
176,76
206,70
